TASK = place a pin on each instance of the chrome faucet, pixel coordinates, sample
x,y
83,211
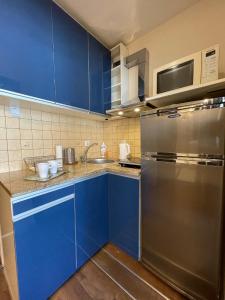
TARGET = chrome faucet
x,y
83,157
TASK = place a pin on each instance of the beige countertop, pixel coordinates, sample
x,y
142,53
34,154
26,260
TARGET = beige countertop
x,y
16,185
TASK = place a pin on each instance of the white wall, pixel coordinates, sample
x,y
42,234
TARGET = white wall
x,y
196,28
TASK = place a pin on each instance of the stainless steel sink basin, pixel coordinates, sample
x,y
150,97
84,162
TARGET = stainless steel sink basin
x,y
99,161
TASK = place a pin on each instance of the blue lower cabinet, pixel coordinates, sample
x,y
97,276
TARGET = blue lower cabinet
x,y
91,217
45,248
123,195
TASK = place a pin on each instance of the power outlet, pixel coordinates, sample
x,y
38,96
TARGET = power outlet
x,y
86,143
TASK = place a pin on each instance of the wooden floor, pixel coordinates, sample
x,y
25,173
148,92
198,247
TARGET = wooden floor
x,y
113,275
4,292
110,275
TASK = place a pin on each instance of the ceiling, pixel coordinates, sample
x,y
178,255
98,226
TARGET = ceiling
x,y
122,20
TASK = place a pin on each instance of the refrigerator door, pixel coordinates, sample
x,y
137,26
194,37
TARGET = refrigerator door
x,y
186,131
182,223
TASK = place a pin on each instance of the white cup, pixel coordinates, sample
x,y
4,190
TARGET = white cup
x,y
53,166
43,169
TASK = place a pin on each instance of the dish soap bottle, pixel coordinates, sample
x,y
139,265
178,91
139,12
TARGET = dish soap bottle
x,y
103,150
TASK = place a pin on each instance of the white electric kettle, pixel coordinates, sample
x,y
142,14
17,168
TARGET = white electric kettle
x,y
124,150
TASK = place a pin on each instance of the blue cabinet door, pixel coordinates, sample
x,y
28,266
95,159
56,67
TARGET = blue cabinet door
x,y
26,55
91,217
124,213
71,60
45,246
100,76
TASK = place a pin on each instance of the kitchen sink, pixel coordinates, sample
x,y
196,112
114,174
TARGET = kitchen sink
x,y
99,161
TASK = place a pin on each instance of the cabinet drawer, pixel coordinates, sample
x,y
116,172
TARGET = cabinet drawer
x,y
28,203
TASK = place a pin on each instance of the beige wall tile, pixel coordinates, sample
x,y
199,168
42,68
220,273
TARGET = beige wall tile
x,y
35,115
14,145
45,116
2,122
15,165
25,134
37,134
14,155
3,145
4,167
2,134
12,122
36,124
2,110
47,125
25,124
25,113
13,134
47,144
26,144
47,135
4,156
38,144
38,152
27,153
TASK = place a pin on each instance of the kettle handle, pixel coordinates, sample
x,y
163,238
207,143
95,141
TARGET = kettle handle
x,y
128,149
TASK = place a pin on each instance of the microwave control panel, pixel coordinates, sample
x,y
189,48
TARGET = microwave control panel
x,y
210,62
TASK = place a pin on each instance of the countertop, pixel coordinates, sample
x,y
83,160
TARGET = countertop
x,y
15,184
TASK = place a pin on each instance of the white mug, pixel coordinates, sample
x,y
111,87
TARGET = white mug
x,y
53,166
43,168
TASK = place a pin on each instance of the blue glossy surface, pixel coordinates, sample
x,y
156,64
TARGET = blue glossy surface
x,y
71,60
91,217
124,213
26,55
100,76
45,251
41,200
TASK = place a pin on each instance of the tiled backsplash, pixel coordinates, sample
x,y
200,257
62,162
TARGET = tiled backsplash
x,y
35,133
122,130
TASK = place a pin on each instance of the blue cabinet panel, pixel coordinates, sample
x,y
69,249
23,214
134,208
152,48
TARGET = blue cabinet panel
x,y
91,217
100,76
33,202
45,251
26,48
124,213
71,60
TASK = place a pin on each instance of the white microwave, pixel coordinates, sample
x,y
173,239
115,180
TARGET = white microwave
x,y
200,67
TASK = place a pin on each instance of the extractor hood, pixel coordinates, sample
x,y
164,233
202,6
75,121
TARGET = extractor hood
x,y
138,78
137,65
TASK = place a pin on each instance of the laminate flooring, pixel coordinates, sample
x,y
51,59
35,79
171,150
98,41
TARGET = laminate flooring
x,y
110,275
113,275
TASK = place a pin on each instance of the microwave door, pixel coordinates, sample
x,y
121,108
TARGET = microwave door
x,y
184,132
176,77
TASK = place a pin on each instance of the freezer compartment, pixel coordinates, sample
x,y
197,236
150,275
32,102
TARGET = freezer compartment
x,y
182,224
184,131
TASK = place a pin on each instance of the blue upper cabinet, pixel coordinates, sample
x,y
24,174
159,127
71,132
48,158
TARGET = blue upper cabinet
x,y
91,217
124,213
71,60
26,60
100,76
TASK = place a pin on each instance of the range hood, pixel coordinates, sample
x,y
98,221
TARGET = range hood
x,y
137,65
129,111
138,70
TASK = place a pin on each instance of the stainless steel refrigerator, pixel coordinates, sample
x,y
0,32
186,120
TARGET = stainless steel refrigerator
x,y
182,186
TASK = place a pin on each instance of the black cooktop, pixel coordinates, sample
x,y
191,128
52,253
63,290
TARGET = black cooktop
x,y
134,162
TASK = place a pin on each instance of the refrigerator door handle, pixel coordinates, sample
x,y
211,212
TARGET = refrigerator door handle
x,y
185,160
